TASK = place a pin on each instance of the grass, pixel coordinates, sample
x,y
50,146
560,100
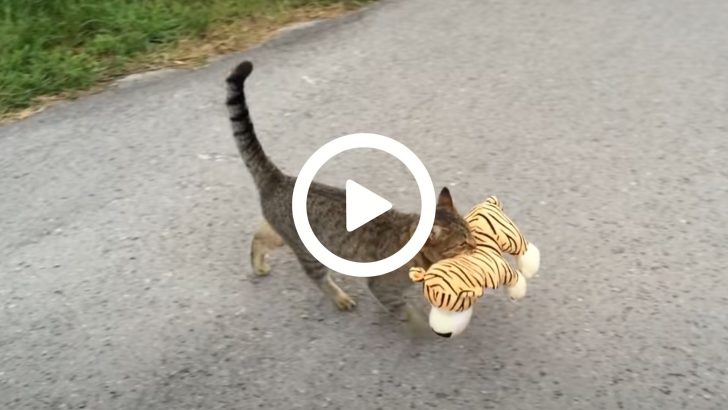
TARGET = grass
x,y
60,47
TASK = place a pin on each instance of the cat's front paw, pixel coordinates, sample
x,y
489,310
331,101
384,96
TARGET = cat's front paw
x,y
412,314
415,322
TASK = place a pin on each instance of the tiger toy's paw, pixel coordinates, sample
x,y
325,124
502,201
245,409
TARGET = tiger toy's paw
x,y
517,291
417,274
529,262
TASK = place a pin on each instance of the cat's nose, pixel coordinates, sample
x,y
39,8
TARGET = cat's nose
x,y
448,334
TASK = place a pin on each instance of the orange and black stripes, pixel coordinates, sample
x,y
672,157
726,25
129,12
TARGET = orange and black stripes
x,y
488,219
456,283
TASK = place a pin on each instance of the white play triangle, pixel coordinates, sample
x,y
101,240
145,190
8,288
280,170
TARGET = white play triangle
x,y
362,205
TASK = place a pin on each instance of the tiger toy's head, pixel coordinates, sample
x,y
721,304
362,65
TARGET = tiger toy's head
x,y
452,286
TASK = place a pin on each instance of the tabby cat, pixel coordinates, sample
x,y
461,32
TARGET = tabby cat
x,y
375,240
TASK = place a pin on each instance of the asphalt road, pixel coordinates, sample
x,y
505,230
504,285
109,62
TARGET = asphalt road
x,y
125,218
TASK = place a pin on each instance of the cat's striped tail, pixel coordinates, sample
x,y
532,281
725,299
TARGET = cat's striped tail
x,y
260,166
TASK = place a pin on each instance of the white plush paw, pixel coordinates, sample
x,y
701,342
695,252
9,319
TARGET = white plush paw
x,y
529,262
517,291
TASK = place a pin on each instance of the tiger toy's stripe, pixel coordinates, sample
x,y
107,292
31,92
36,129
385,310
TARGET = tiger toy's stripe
x,y
455,284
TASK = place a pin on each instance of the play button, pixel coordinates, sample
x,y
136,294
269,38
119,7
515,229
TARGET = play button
x,y
362,205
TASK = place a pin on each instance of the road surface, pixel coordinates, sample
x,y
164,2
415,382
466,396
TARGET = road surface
x,y
603,127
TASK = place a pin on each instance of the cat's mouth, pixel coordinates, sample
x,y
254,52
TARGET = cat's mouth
x,y
470,242
464,248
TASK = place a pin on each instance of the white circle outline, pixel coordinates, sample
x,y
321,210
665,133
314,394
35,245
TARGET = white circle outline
x,y
300,210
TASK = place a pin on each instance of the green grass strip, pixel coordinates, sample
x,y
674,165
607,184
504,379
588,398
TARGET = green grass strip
x,y
49,47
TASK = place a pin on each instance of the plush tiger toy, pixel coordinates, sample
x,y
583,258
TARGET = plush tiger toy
x,y
452,286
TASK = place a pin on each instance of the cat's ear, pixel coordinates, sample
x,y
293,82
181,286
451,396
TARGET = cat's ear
x,y
445,200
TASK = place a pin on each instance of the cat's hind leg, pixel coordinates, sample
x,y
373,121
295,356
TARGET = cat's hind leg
x,y
321,276
264,240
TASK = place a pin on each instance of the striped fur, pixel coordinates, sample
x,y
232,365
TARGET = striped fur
x,y
456,283
260,166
